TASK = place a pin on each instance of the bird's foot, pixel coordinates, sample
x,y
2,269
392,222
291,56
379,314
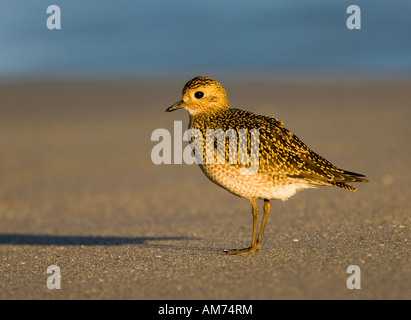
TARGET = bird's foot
x,y
241,251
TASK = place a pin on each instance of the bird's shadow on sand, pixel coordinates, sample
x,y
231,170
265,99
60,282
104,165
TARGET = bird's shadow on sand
x,y
45,240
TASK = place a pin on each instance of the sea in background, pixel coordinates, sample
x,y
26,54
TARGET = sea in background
x,y
143,39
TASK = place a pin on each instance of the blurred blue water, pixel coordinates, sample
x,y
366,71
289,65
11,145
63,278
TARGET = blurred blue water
x,y
127,38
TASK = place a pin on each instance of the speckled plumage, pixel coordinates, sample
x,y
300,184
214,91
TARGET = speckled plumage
x,y
285,164
284,160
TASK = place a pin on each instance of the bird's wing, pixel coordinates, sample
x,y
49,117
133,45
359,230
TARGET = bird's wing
x,y
284,153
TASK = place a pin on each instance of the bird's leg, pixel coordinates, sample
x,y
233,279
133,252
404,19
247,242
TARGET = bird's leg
x,y
267,208
254,242
255,223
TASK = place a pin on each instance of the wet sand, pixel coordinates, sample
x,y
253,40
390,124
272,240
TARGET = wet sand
x,y
78,190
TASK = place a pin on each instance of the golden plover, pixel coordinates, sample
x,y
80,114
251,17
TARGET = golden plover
x,y
283,164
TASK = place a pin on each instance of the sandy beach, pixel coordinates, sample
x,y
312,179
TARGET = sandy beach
x,y
78,190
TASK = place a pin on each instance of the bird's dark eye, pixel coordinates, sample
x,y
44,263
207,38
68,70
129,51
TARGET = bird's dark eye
x,y
199,94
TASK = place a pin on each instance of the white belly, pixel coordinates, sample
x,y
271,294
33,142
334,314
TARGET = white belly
x,y
253,186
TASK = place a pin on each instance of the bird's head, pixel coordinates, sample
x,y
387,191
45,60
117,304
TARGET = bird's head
x,y
202,95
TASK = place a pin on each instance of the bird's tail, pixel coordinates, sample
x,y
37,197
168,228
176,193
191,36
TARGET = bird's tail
x,y
348,176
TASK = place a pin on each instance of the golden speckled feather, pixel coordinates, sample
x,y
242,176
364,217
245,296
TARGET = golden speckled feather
x,y
281,152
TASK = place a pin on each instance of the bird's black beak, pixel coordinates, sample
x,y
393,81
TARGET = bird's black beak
x,y
176,106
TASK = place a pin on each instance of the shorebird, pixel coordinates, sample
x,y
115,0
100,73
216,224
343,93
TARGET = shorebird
x,y
285,164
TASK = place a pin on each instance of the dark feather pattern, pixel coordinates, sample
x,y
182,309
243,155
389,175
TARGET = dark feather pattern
x,y
281,153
